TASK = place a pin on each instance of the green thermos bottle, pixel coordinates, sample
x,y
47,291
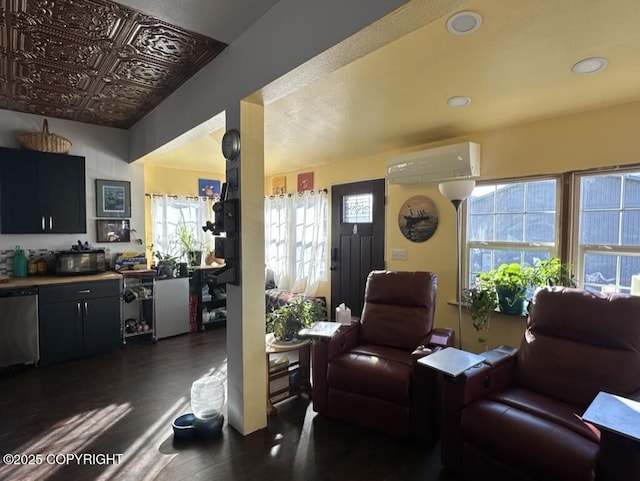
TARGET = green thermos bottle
x,y
19,263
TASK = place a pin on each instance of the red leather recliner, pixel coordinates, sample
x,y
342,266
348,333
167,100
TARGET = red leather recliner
x,y
367,374
519,415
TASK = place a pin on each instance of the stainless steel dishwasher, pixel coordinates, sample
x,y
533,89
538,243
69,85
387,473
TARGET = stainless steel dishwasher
x,y
19,326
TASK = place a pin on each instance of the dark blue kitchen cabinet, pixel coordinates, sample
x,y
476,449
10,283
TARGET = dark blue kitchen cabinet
x,y
78,319
42,193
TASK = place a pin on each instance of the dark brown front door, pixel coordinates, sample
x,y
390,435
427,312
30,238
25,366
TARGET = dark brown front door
x,y
357,240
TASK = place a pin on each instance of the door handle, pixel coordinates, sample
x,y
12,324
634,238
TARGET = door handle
x,y
43,223
84,291
50,223
86,309
78,310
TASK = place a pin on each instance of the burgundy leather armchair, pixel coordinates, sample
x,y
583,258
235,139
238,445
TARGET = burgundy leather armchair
x,y
367,373
518,416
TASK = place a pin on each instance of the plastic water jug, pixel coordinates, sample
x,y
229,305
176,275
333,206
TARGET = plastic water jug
x,y
207,397
19,263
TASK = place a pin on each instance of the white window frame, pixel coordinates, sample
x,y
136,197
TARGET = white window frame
x,y
579,251
553,248
287,254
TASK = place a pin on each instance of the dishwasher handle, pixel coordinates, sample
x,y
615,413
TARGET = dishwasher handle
x,y
19,292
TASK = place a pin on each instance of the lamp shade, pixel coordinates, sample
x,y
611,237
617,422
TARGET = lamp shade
x,y
457,190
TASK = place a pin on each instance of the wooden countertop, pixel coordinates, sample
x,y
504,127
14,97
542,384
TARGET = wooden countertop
x,y
32,281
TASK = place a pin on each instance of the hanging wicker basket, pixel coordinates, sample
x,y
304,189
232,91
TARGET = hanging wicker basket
x,y
44,141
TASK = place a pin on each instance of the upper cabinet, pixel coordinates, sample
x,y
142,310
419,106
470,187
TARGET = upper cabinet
x,y
41,193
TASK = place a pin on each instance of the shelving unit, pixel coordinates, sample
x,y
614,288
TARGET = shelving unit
x,y
211,298
138,313
288,370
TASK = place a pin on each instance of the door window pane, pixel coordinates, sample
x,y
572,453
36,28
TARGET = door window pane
x,y
357,209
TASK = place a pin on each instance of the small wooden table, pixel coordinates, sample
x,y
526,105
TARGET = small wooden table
x,y
285,380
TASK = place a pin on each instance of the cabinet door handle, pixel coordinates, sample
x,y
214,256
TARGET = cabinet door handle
x,y
78,309
42,222
86,309
84,291
50,223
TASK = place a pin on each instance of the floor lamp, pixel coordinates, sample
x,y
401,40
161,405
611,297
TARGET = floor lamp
x,y
456,192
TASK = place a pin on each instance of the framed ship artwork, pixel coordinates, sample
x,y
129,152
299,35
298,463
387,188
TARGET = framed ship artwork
x,y
418,218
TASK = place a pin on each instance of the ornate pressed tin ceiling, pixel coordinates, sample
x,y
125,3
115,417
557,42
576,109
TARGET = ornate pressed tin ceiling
x,y
93,61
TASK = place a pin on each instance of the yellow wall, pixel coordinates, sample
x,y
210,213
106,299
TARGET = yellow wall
x,y
163,180
605,137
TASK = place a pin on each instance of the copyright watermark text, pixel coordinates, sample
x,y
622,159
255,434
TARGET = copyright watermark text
x,y
62,459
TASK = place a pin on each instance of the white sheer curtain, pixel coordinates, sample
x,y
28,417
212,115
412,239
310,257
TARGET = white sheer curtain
x,y
168,211
296,236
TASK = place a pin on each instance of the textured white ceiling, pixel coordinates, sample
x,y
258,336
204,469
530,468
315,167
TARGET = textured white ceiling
x,y
516,69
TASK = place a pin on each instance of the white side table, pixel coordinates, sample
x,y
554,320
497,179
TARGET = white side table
x,y
451,361
619,421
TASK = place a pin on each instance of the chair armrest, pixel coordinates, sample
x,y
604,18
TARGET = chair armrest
x,y
441,336
458,392
322,351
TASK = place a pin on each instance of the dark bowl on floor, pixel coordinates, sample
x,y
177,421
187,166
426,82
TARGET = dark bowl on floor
x,y
183,426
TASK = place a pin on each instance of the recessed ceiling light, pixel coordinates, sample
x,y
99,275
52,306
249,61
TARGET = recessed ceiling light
x,y
464,23
459,101
589,65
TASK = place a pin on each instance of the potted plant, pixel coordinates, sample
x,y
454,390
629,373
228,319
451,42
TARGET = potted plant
x,y
510,282
286,321
167,263
481,301
190,247
553,272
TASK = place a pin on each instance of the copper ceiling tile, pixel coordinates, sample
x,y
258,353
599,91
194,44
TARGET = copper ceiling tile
x,y
93,61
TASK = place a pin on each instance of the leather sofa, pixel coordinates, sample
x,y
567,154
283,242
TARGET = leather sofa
x,y
367,373
518,416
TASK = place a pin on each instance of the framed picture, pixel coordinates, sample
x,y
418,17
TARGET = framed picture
x,y
113,198
305,181
418,218
279,185
209,188
113,230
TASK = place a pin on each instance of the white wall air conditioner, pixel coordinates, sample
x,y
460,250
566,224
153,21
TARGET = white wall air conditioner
x,y
456,161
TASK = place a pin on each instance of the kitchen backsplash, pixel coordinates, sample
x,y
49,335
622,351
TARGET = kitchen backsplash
x,y
6,258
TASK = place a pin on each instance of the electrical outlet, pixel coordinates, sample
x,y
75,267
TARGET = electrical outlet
x,y
399,254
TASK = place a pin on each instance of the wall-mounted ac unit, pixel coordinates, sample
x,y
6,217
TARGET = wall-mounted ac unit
x,y
456,161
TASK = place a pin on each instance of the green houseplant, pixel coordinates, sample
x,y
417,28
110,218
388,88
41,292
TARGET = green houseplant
x,y
553,272
510,282
190,247
481,301
285,321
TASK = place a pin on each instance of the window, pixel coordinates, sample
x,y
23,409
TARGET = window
x,y
168,211
296,236
608,240
511,222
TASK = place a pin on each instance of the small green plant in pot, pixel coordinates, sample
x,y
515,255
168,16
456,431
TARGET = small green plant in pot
x,y
553,272
190,247
481,301
510,282
285,321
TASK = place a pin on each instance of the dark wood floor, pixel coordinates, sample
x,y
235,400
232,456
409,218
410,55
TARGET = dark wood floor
x,y
123,404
